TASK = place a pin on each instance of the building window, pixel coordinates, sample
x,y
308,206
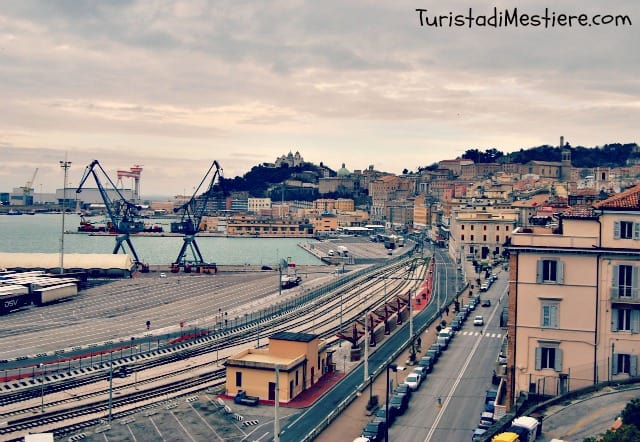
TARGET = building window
x,y
484,227
462,227
626,230
238,379
625,319
484,238
471,226
549,270
471,237
497,238
497,228
624,363
548,357
461,237
549,314
625,281
297,377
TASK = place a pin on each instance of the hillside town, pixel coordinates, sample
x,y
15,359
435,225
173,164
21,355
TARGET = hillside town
x,y
567,235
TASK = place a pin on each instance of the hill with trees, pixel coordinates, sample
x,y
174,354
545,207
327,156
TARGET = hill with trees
x,y
609,155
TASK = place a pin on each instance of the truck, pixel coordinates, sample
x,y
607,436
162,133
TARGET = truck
x,y
530,424
243,398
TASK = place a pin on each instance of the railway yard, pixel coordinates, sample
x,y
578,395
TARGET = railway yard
x,y
56,358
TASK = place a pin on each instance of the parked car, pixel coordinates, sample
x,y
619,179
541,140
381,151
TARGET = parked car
x,y
486,303
386,413
400,403
502,358
374,431
413,381
456,324
486,420
427,363
163,275
403,389
477,434
478,320
484,287
433,355
422,371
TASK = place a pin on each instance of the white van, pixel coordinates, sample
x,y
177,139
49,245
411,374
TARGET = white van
x,y
331,253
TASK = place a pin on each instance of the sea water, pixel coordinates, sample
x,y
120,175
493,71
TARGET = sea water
x,y
42,233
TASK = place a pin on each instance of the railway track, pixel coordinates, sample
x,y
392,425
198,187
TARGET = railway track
x,y
319,316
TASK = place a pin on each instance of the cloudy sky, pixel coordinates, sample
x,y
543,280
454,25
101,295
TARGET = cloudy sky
x,y
174,85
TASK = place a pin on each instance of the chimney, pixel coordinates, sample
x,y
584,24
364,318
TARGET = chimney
x,y
561,141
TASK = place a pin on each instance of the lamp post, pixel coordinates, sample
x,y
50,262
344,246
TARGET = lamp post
x,y
42,390
340,341
395,368
65,165
276,404
110,382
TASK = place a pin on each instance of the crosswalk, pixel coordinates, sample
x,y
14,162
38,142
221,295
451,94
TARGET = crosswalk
x,y
477,333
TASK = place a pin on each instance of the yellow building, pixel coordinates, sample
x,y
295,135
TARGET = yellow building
x,y
301,358
250,226
326,222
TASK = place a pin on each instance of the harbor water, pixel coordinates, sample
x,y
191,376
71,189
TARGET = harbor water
x,y
41,233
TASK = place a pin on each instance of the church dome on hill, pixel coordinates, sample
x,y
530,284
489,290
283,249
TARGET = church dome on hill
x,y
343,171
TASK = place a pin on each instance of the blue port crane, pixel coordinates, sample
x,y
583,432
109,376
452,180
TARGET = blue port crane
x,y
190,223
121,211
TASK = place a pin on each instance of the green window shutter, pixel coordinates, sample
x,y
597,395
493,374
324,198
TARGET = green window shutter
x,y
539,358
614,281
633,365
559,272
614,364
635,321
557,366
636,230
539,265
634,282
553,316
614,319
616,230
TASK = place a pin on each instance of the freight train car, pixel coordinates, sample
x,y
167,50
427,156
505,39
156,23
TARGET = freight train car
x,y
13,297
45,295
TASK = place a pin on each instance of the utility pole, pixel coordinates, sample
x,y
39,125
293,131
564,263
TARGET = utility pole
x,y
366,346
65,165
276,419
110,382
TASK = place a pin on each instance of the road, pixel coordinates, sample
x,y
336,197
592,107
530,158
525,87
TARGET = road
x,y
460,379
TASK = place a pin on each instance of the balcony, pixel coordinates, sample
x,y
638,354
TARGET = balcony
x,y
624,295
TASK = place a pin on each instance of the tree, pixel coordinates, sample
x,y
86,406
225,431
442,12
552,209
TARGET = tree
x,y
626,433
631,413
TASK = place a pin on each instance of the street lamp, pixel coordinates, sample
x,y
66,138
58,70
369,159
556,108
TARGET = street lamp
x,y
65,165
42,390
396,368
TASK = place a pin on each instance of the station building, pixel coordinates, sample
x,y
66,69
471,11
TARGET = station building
x,y
301,358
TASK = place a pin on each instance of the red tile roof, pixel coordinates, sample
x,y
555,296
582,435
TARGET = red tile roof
x,y
629,199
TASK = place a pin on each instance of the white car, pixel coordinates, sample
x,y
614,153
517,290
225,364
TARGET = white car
x,y
413,381
163,275
478,320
